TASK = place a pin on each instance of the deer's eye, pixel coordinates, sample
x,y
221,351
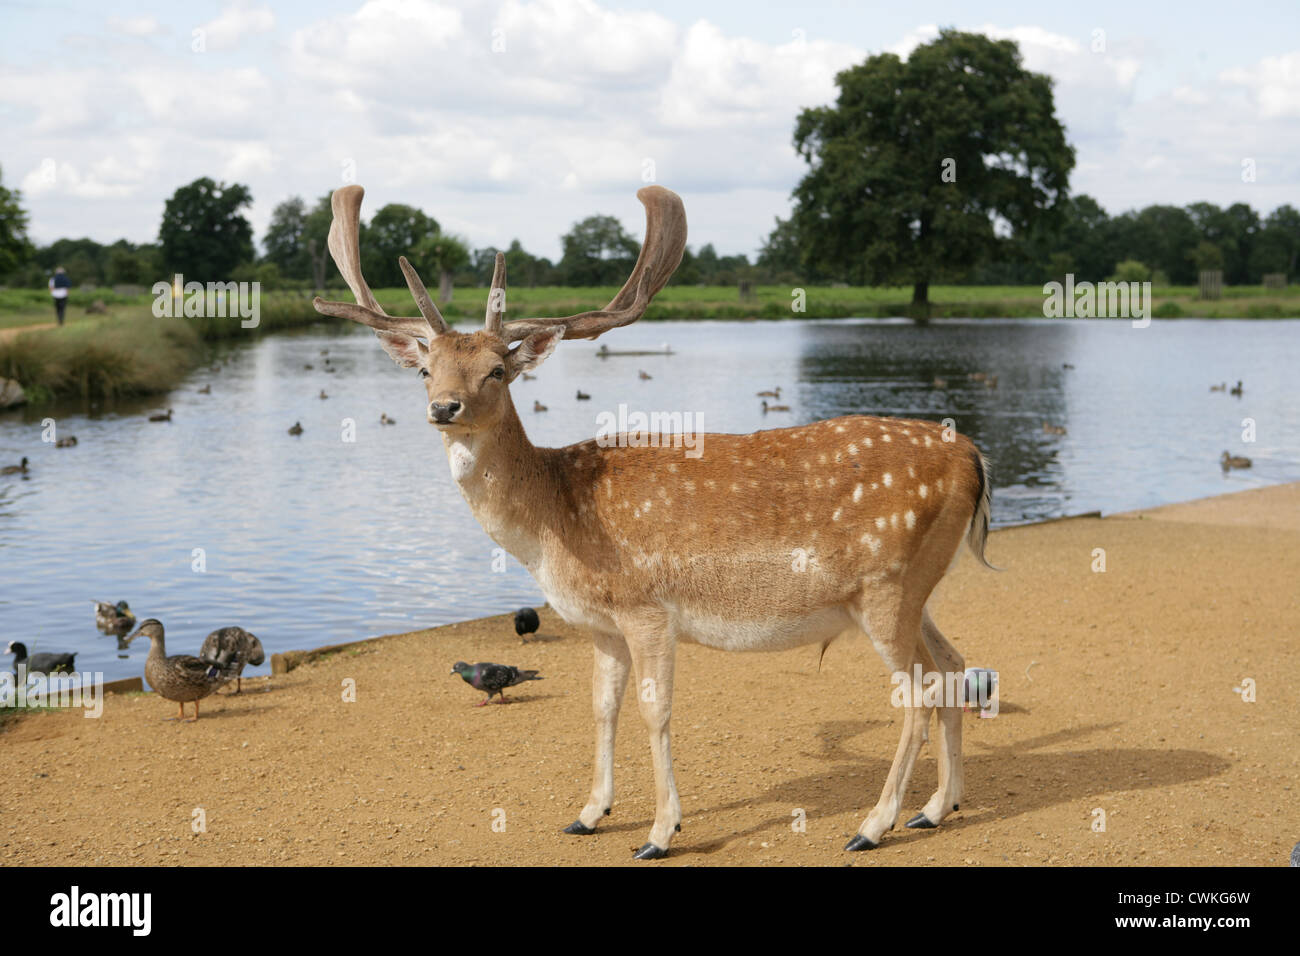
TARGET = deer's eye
x,y
424,373
499,373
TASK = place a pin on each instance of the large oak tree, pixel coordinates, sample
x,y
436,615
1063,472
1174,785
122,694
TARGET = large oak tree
x,y
876,205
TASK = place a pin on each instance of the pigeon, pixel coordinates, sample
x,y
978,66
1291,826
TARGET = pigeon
x,y
230,648
39,663
492,678
526,622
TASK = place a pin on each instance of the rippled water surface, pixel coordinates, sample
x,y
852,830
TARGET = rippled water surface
x,y
312,540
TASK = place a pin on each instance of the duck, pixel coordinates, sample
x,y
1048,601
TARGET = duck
x,y
182,677
330,368
295,428
939,382
323,395
1066,365
1051,429
230,648
1236,389
770,393
324,351
69,442
307,366
162,416
1221,387
644,376
206,390
39,663
529,378
18,469
538,406
1233,461
977,376
991,381
583,396
774,408
112,618
385,420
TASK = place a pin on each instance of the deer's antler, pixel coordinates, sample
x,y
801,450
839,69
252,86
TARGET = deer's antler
x,y
345,249
661,253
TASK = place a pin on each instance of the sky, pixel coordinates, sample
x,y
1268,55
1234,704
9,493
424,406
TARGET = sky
x,y
516,119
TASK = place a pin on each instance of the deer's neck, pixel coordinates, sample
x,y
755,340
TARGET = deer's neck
x,y
505,480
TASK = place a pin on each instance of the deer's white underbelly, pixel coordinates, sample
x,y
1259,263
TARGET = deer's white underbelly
x,y
759,634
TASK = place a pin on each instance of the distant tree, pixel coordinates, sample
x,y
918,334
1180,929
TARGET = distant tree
x,y
396,230
285,243
442,255
1130,270
1206,256
203,235
127,265
1277,246
1159,236
780,252
687,271
597,252
917,161
15,248
315,238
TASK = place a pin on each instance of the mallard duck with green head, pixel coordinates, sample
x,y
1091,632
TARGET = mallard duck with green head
x,y
113,618
181,677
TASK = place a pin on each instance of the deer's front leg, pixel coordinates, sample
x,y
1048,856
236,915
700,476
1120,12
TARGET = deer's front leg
x,y
608,683
653,656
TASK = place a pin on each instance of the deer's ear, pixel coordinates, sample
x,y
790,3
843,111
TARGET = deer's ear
x,y
534,350
406,350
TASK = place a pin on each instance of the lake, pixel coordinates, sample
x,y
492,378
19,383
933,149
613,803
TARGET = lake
x,y
221,517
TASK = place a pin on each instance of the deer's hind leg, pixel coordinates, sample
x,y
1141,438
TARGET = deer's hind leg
x,y
895,630
952,666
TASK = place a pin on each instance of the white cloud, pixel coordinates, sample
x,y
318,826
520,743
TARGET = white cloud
x,y
143,26
1274,83
236,21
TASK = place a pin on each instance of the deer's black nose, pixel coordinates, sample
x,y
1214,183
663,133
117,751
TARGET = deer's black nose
x,y
443,412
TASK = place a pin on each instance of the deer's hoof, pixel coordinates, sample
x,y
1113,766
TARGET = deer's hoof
x,y
920,822
650,852
578,828
859,842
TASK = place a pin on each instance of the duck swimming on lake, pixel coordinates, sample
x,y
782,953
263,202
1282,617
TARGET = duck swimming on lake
x,y
69,442
537,407
112,618
162,417
230,648
295,428
1234,461
39,663
18,469
774,408
385,420
182,677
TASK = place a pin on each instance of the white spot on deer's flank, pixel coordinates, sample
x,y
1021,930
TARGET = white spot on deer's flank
x,y
893,520
909,519
880,524
887,479
853,449
885,437
836,516
857,493
923,491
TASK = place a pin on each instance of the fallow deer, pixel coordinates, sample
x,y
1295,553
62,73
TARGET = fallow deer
x,y
768,541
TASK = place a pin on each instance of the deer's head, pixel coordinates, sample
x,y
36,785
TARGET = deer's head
x,y
467,375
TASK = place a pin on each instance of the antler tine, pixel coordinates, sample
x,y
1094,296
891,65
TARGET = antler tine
x,y
661,253
496,306
437,324
345,249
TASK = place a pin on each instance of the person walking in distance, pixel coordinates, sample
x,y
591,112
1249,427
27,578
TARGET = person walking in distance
x,y
59,286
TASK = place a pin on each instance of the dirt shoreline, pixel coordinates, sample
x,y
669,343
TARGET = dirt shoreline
x,y
1117,694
